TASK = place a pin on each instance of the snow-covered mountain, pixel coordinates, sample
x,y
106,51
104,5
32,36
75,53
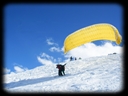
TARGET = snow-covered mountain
x,y
96,74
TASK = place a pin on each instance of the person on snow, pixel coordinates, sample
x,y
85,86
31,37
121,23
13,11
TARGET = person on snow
x,y
61,69
71,58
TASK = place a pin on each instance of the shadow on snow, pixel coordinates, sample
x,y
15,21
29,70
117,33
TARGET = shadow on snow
x,y
28,82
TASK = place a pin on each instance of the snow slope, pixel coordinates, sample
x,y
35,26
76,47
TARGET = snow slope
x,y
101,74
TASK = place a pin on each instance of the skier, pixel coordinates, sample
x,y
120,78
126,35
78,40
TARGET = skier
x,y
61,69
71,58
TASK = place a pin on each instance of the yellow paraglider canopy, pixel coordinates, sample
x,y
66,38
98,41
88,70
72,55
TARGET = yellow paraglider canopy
x,y
102,31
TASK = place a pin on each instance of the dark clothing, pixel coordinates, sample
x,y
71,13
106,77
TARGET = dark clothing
x,y
71,58
58,66
61,69
63,73
60,73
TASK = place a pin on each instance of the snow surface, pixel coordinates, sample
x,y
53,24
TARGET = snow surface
x,y
95,75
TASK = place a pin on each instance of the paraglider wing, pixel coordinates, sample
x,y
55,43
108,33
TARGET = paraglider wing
x,y
91,33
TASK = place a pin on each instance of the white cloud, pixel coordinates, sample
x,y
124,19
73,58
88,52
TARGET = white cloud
x,y
44,55
90,50
46,59
6,70
19,68
50,42
12,72
57,49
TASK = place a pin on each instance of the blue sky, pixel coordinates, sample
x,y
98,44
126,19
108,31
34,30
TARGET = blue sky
x,y
34,34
